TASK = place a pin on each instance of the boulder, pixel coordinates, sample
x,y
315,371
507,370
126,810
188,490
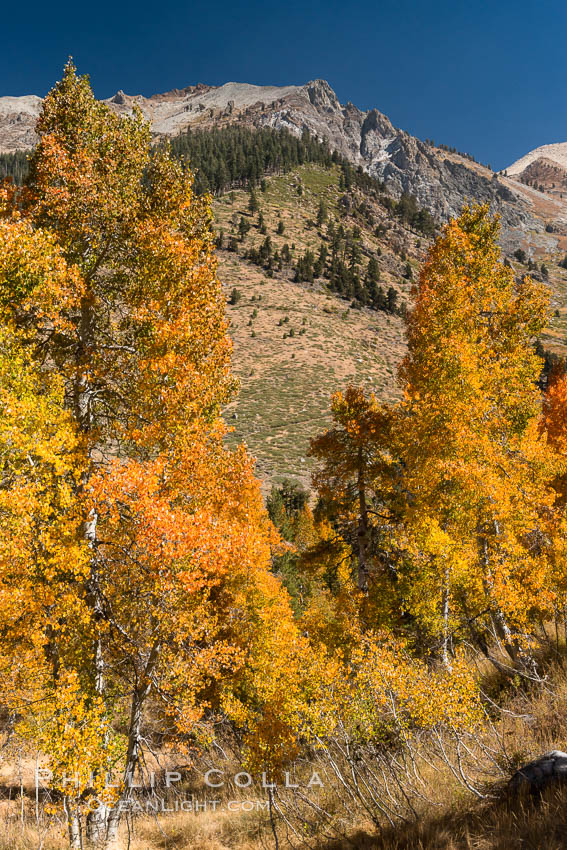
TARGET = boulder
x,y
538,774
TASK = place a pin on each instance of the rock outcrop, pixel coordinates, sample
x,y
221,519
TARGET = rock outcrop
x,y
18,117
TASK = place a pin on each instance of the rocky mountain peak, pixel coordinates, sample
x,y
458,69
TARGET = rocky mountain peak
x,y
376,122
321,95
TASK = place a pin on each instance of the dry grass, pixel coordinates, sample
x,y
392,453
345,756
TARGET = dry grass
x,y
219,830
500,826
459,826
535,723
453,819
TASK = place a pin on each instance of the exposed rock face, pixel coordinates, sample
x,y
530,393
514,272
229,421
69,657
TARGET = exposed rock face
x,y
405,164
322,96
119,98
539,773
441,182
18,116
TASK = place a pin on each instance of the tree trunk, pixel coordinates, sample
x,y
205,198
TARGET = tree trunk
x,y
96,825
363,528
446,611
133,754
501,627
73,824
83,411
111,840
96,819
520,657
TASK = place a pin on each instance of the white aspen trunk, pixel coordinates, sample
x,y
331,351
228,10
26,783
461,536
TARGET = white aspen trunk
x,y
82,398
446,612
362,531
96,824
115,814
133,754
519,656
501,627
73,824
96,819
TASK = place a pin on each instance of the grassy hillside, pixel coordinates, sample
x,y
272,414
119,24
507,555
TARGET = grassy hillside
x,y
295,343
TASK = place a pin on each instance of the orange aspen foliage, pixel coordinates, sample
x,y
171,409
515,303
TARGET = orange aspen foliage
x,y
156,597
476,468
554,425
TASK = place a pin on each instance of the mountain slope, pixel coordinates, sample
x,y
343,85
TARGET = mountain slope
x,y
556,153
296,342
18,116
439,181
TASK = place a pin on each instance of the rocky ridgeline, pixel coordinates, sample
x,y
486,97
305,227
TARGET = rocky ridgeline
x,y
440,182
404,163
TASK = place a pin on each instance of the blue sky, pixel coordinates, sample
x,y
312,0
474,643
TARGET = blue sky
x,y
487,77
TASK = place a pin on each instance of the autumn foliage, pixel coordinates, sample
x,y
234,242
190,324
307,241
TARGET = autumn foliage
x,y
460,477
144,591
134,562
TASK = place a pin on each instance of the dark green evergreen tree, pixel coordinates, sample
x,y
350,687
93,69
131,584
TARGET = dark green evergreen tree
x,y
252,202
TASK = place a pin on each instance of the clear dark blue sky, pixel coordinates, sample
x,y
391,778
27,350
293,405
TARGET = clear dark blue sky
x,y
487,77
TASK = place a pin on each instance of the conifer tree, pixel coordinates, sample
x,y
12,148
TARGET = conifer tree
x,y
253,205
354,462
321,213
